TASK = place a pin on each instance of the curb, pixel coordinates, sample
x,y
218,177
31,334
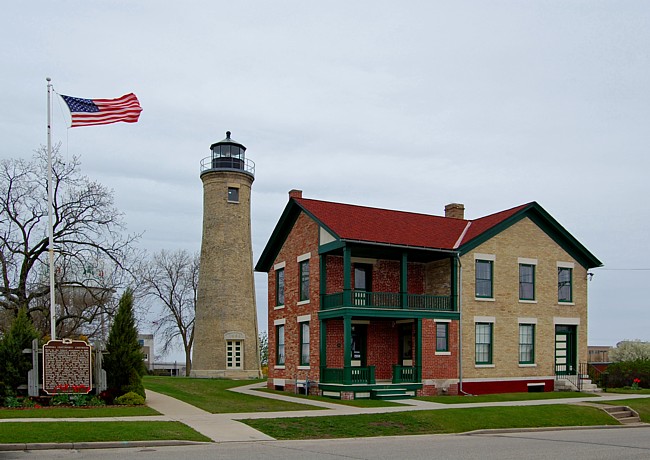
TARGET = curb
x,y
552,428
95,445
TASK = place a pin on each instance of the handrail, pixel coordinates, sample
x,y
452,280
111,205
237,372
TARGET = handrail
x,y
392,300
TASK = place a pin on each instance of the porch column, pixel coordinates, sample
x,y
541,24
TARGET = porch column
x,y
347,349
403,281
418,350
347,277
454,283
323,280
322,344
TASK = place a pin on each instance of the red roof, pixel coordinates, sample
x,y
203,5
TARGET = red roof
x,y
360,223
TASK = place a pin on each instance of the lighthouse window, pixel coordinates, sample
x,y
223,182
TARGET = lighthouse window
x,y
233,195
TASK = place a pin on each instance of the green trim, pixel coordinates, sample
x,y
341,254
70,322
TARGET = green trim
x,y
277,286
323,343
476,279
304,289
454,283
322,260
385,313
347,275
403,279
418,349
533,282
490,343
330,247
570,299
347,346
302,343
532,352
445,326
548,225
281,362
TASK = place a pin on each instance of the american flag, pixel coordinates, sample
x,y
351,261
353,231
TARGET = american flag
x,y
88,112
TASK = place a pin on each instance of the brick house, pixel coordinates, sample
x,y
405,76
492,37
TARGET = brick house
x,y
366,302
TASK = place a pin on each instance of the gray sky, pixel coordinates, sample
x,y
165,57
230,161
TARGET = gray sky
x,y
403,105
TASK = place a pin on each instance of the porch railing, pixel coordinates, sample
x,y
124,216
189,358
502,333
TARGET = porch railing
x,y
572,374
406,374
393,300
348,375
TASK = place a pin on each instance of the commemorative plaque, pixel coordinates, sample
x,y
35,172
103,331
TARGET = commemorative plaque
x,y
67,367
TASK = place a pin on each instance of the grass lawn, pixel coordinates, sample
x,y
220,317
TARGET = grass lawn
x,y
78,412
211,395
642,406
353,402
505,397
431,422
18,432
628,391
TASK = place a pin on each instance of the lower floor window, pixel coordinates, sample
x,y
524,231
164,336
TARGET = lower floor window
x,y
483,343
442,336
526,343
279,342
304,344
234,351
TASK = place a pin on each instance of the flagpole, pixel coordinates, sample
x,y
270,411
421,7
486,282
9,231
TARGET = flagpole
x,y
49,207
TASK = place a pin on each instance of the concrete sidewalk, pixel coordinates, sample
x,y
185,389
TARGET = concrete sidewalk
x,y
228,428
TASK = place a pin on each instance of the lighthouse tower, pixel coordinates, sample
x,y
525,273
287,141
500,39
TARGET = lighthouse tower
x,y
225,331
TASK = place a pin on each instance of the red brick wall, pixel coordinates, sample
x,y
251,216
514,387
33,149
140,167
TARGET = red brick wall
x,y
383,348
439,366
302,239
334,274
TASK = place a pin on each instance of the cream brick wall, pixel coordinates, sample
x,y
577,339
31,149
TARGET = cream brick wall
x,y
522,240
226,292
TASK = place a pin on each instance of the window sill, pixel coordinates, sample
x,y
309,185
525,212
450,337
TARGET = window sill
x,y
278,307
484,299
483,366
527,365
527,301
443,353
278,367
304,368
303,302
566,303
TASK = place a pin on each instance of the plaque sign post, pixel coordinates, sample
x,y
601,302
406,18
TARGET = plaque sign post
x,y
67,367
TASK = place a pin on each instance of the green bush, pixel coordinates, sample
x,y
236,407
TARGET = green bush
x,y
96,401
130,399
12,401
62,399
622,374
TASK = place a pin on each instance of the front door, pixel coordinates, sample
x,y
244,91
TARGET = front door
x,y
565,350
406,344
362,284
359,338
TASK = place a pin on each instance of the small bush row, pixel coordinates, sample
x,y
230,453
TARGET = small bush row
x,y
630,374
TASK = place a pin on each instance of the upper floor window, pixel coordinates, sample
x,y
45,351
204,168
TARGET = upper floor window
x,y
279,286
526,282
564,284
304,280
484,275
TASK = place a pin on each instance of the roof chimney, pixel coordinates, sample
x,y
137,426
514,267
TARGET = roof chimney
x,y
455,210
295,193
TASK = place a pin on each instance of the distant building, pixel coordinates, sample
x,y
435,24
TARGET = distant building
x,y
367,302
146,344
599,354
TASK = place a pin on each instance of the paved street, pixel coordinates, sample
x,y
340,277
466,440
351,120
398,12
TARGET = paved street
x,y
591,444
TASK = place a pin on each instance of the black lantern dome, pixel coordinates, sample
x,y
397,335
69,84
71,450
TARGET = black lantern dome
x,y
228,154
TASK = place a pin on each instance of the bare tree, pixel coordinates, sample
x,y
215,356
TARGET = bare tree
x,y
172,279
92,252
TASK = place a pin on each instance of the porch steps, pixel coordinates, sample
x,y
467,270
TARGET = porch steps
x,y
390,393
623,414
585,383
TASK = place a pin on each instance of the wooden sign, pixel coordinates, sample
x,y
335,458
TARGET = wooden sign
x,y
67,367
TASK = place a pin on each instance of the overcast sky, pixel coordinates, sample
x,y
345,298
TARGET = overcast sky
x,y
403,105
